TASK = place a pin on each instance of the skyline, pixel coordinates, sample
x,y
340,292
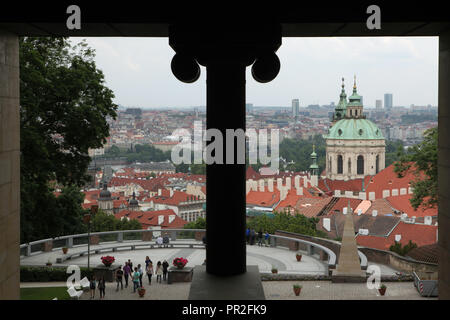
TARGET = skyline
x,y
407,67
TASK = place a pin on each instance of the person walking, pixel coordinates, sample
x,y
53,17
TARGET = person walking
x,y
92,286
130,264
247,235
147,261
159,271
119,275
135,278
260,237
102,287
141,273
149,271
266,238
165,266
127,272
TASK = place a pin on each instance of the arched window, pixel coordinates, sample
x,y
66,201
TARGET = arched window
x,y
329,165
377,164
340,164
360,165
349,165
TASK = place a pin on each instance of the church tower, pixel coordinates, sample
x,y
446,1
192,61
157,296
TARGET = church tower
x,y
314,169
355,146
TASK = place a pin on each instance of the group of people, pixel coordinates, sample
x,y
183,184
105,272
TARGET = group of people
x,y
135,274
252,236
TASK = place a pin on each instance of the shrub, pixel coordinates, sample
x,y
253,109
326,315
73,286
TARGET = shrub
x,y
46,274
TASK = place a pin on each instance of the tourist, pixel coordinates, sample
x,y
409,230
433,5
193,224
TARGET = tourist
x,y
119,275
149,270
260,237
165,266
130,264
159,241
92,285
266,238
247,235
147,261
252,236
102,287
166,241
159,271
141,273
127,271
135,278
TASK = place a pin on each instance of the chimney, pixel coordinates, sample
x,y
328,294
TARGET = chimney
x,y
297,181
171,192
288,183
427,220
299,191
359,212
279,183
374,213
363,232
344,210
398,237
261,185
327,224
283,193
159,192
270,185
305,182
160,220
247,186
171,218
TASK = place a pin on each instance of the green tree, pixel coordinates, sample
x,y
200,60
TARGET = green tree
x,y
102,221
200,223
299,151
63,111
397,247
421,159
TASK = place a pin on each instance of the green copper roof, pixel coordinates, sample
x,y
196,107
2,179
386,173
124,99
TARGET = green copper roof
x,y
355,129
342,104
355,98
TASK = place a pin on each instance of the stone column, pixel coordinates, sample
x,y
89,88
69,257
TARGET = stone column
x,y
444,167
9,167
225,50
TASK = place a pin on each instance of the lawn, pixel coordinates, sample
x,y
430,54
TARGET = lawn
x,y
44,293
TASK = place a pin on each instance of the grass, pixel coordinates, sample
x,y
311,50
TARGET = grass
x,y
44,293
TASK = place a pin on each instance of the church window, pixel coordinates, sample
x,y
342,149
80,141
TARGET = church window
x,y
349,165
360,165
360,132
377,164
340,132
339,165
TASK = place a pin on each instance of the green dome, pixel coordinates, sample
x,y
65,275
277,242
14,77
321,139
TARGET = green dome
x,y
355,129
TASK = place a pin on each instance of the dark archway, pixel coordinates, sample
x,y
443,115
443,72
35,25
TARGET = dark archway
x,y
340,164
360,165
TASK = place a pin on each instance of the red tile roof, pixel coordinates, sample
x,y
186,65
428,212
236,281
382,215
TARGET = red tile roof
x,y
343,203
150,218
418,233
263,199
403,204
177,197
311,207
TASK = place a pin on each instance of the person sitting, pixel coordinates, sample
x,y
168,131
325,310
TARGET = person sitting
x,y
159,241
166,241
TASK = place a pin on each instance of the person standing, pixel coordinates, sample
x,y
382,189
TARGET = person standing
x,y
266,238
165,266
252,236
102,287
149,271
135,278
141,273
130,264
92,286
159,271
247,235
260,237
119,275
127,271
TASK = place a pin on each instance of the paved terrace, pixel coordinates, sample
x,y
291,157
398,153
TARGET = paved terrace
x,y
264,257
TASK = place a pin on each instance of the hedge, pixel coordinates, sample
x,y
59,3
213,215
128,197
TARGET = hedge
x,y
49,274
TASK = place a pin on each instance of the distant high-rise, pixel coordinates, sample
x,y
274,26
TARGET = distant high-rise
x,y
295,107
249,107
378,104
388,101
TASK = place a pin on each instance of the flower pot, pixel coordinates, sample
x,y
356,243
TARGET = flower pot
x,y
297,291
64,250
299,257
107,264
141,292
382,291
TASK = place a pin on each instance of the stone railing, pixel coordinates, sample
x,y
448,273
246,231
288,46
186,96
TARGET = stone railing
x,y
120,236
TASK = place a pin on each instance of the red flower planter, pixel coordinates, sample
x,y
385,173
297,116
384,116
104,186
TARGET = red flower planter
x,y
141,292
299,257
108,261
382,291
297,291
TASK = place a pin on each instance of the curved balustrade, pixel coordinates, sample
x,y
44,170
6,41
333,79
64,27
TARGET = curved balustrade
x,y
120,236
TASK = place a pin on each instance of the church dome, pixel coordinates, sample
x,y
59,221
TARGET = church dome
x,y
105,194
355,129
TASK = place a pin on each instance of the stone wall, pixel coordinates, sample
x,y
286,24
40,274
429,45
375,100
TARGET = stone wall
x,y
9,167
444,166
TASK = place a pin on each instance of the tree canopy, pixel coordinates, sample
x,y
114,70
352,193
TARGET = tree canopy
x,y
64,104
422,160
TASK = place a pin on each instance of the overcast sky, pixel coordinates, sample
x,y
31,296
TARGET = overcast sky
x,y
138,71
